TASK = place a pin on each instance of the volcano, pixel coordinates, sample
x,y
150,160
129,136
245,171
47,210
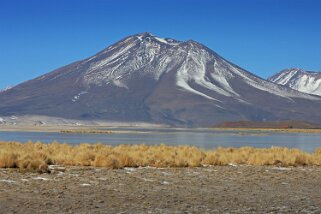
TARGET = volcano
x,y
145,78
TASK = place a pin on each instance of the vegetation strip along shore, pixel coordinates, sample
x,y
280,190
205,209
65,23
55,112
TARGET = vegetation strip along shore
x,y
37,156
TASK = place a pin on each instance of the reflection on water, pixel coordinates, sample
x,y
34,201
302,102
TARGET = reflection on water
x,y
206,139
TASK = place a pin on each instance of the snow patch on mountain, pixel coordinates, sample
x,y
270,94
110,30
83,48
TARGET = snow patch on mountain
x,y
284,77
194,69
182,81
112,59
167,41
222,78
77,97
308,84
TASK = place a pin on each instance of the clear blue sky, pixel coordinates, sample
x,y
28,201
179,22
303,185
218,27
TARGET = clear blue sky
x,y
262,36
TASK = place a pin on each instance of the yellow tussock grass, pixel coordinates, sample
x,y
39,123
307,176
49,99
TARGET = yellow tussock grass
x,y
37,156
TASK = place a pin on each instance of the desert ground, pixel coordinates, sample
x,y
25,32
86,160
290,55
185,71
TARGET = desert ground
x,y
212,189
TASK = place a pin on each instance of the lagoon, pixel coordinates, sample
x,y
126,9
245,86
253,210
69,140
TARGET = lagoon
x,y
202,138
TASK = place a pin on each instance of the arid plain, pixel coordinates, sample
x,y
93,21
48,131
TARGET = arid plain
x,y
215,189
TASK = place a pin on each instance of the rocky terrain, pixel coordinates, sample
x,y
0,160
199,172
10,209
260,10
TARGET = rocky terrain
x,y
218,189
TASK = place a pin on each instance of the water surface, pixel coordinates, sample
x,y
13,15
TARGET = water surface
x,y
206,139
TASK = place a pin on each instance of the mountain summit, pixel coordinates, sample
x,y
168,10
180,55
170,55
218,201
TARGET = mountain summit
x,y
145,78
299,79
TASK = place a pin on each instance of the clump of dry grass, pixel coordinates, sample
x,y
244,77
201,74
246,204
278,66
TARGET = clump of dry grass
x,y
37,156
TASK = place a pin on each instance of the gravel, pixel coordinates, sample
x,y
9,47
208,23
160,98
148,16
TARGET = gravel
x,y
217,189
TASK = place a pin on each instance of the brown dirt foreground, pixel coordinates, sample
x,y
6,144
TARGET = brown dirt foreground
x,y
214,189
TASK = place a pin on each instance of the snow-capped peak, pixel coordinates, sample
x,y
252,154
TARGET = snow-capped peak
x,y
300,80
131,55
148,37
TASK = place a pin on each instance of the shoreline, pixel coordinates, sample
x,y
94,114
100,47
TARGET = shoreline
x,y
314,131
96,129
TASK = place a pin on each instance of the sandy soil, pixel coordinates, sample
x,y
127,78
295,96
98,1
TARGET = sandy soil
x,y
218,189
